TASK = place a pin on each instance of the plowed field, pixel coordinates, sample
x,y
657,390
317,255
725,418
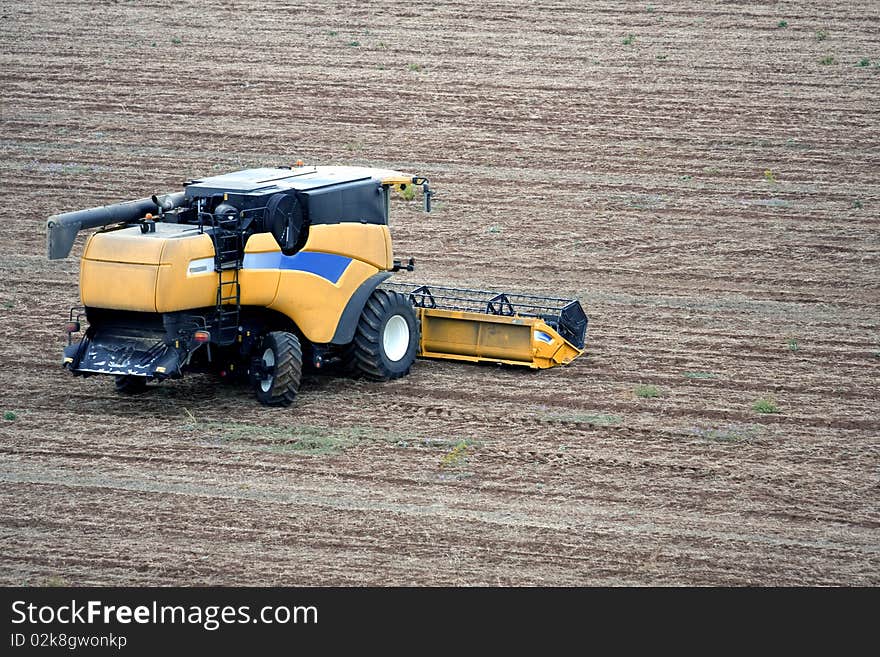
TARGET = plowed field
x,y
704,177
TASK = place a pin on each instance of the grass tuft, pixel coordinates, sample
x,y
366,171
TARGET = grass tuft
x,y
407,193
646,391
456,458
765,405
699,375
726,434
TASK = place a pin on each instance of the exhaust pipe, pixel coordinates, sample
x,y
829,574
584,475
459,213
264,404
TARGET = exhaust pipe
x,y
167,202
61,229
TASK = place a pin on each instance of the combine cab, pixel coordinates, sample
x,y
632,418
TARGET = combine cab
x,y
251,274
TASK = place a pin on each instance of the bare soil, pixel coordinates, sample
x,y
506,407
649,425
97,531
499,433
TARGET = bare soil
x,y
692,172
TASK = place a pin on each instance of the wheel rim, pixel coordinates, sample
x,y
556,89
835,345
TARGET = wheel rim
x,y
395,339
268,361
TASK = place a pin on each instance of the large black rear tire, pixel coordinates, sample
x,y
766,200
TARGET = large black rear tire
x,y
131,385
387,338
280,355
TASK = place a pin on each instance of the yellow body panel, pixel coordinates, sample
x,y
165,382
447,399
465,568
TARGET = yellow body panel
x,y
119,285
261,243
259,286
315,303
475,337
367,242
177,288
129,270
173,269
126,245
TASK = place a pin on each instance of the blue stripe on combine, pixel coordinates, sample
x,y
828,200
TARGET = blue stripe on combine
x,y
326,265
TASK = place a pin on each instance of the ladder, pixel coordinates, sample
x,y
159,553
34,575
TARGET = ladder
x,y
228,237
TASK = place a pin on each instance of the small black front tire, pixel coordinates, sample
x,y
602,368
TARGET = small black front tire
x,y
281,357
131,385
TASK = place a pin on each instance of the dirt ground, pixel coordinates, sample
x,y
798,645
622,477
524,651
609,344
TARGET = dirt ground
x,y
704,177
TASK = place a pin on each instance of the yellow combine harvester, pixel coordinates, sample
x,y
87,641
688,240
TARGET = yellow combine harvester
x,y
254,273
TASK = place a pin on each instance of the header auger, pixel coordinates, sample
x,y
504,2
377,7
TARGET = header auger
x,y
252,273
